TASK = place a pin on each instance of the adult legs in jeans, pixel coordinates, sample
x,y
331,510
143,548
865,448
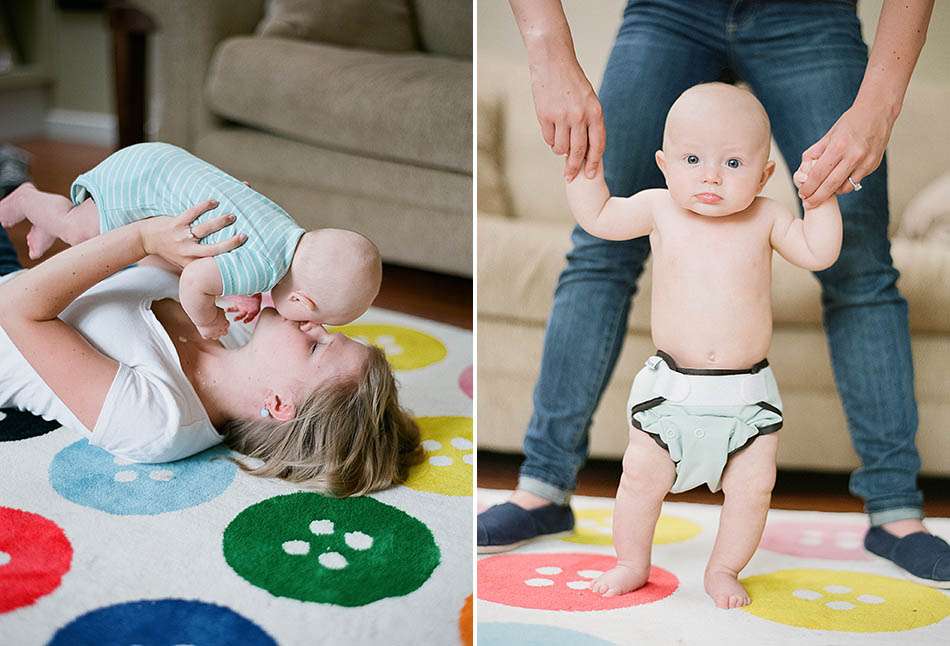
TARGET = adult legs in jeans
x,y
865,316
652,62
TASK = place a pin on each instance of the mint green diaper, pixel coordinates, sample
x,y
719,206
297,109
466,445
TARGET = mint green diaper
x,y
701,417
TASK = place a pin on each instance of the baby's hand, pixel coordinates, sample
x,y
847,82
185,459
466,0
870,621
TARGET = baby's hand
x,y
246,307
801,175
216,328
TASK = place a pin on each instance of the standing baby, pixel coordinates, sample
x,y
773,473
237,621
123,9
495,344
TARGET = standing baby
x,y
321,276
705,408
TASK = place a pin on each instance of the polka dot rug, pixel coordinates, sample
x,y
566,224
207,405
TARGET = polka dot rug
x,y
97,550
811,582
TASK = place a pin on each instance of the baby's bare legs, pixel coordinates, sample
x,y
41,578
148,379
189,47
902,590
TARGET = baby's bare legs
x,y
747,483
648,474
53,216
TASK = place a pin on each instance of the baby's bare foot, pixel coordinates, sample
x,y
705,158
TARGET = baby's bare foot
x,y
11,212
38,242
620,579
725,589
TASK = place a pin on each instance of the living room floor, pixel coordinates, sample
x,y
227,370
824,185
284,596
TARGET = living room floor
x,y
431,295
801,490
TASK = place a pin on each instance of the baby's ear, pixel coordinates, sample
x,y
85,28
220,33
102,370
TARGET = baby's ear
x,y
767,173
661,161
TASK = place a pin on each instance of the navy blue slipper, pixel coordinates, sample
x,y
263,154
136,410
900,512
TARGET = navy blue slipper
x,y
925,557
506,526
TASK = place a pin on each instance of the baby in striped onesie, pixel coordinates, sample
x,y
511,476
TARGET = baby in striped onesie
x,y
323,276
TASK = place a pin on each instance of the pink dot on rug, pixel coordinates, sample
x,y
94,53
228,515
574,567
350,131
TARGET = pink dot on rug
x,y
560,581
465,381
816,539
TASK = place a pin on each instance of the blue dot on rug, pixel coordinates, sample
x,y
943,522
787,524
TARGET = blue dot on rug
x,y
92,477
161,622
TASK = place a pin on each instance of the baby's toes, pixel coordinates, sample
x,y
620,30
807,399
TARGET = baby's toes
x,y
611,592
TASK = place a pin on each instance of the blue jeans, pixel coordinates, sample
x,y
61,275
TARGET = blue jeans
x,y
804,61
8,259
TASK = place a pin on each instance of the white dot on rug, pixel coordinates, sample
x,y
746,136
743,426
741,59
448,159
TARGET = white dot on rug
x,y
578,585
358,540
603,529
847,544
332,560
440,460
538,583
809,540
164,475
548,569
589,574
808,595
321,527
837,589
587,522
840,605
296,548
461,443
812,532
4,558
468,458
125,476
121,461
431,445
870,598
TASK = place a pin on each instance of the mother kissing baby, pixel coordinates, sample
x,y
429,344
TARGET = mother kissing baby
x,y
111,353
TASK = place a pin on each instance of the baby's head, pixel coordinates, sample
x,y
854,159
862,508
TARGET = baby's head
x,y
333,278
715,153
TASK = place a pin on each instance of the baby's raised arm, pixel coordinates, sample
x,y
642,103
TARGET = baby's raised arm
x,y
610,218
200,284
812,243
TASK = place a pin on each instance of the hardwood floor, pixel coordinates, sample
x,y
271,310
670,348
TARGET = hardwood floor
x,y
802,490
439,297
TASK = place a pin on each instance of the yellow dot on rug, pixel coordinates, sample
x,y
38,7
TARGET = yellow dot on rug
x,y
845,601
405,348
595,527
447,468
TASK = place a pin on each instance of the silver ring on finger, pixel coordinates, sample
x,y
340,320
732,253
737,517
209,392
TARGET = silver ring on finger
x,y
855,185
191,232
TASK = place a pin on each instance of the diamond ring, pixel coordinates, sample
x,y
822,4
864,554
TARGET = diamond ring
x,y
855,185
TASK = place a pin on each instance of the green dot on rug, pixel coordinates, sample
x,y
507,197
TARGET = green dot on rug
x,y
348,552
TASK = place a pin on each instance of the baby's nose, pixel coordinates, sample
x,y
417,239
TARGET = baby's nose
x,y
712,176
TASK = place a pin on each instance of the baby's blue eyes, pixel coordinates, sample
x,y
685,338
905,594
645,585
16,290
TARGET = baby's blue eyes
x,y
692,160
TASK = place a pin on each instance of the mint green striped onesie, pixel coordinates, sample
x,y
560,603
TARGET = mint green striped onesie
x,y
161,179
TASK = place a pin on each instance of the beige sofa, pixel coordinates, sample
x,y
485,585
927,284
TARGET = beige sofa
x,y
375,141
523,235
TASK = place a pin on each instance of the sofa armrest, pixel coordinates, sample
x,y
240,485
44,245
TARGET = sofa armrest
x,y
186,36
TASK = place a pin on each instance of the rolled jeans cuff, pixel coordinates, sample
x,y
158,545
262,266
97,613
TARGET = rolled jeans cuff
x,y
890,515
545,490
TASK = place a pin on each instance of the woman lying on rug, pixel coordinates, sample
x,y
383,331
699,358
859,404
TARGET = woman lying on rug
x,y
119,359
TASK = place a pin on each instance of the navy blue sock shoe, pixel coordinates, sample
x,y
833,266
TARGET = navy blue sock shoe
x,y
925,557
506,526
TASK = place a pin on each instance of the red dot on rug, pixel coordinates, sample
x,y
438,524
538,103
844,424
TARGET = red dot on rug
x,y
34,556
465,381
561,581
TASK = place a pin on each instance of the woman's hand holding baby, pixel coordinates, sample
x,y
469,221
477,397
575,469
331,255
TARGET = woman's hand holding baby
x,y
177,241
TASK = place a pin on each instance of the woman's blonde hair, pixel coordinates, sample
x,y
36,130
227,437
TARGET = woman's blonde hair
x,y
349,437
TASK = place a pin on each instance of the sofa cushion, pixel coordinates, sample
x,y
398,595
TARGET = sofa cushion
x,y
384,25
412,108
927,216
445,27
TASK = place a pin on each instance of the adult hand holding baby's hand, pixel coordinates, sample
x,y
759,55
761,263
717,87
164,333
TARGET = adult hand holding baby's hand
x,y
571,119
176,238
853,147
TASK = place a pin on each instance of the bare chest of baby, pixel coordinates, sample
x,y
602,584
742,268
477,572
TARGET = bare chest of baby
x,y
711,293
